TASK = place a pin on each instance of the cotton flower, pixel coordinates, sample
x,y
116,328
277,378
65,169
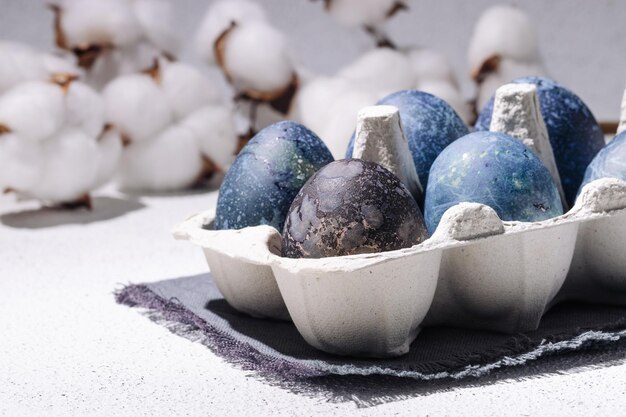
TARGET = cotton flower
x,y
503,47
254,57
370,15
362,13
434,74
174,124
114,37
19,63
54,144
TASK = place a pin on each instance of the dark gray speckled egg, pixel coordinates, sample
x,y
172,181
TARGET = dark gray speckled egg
x,y
350,207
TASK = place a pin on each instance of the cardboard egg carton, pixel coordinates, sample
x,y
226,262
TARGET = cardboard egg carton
x,y
475,271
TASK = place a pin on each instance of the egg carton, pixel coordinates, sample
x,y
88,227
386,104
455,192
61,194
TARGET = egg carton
x,y
476,271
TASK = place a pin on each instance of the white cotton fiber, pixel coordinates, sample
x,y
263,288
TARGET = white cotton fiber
x,y
360,12
257,58
219,18
430,65
505,31
70,161
20,162
214,129
19,63
110,150
155,18
136,106
87,22
33,109
341,121
84,109
382,71
314,99
187,89
170,161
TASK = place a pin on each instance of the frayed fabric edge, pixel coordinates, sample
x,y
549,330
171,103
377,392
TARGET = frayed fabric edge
x,y
183,322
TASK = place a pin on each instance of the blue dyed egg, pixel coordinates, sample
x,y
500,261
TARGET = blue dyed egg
x,y
610,162
267,174
429,124
492,169
574,133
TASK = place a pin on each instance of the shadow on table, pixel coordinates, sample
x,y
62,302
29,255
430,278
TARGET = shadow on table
x,y
104,208
207,187
371,390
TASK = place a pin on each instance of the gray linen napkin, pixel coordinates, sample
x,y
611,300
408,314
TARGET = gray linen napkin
x,y
193,307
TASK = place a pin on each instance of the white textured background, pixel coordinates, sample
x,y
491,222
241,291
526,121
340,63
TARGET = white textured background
x,y
583,41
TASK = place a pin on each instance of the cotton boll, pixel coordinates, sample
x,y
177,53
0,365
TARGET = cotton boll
x,y
355,13
341,119
84,109
136,106
170,161
110,150
265,69
155,18
187,89
219,18
428,64
314,99
122,60
214,129
382,70
504,31
450,94
70,161
20,162
97,22
33,109
54,64
19,63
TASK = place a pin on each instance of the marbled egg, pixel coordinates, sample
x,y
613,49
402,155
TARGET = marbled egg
x,y
267,174
574,133
492,169
349,207
429,124
610,162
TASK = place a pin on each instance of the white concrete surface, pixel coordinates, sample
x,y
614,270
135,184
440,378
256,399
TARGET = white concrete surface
x,y
66,348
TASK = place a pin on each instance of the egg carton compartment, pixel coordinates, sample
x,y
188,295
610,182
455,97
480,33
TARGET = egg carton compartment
x,y
475,271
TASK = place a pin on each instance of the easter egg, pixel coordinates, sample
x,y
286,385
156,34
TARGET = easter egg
x,y
492,169
350,207
610,162
429,124
267,174
575,135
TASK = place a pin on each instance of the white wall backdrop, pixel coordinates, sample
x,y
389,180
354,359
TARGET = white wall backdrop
x,y
583,41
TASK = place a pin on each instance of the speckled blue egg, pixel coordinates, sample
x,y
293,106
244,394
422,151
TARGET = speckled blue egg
x,y
492,169
429,124
267,174
574,133
610,162
350,207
